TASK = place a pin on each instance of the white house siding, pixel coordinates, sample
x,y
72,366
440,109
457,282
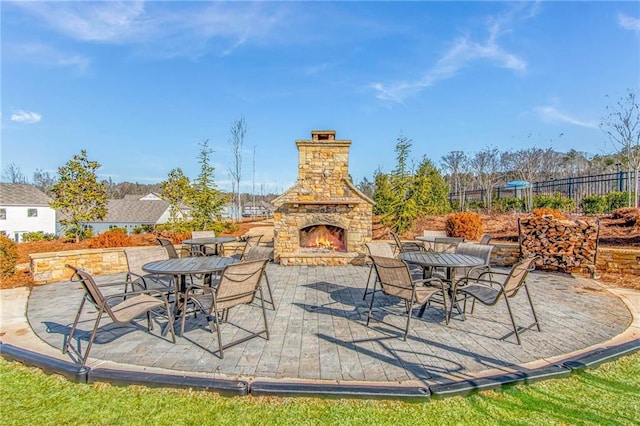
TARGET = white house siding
x,y
18,222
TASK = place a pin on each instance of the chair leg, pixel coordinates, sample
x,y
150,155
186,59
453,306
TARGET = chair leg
x,y
93,336
366,289
409,315
513,321
65,348
373,293
535,317
264,312
271,301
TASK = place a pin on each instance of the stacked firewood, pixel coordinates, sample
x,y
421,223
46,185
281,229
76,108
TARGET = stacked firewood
x,y
561,244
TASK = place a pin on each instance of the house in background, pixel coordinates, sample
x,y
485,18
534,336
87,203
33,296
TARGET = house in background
x,y
24,208
131,212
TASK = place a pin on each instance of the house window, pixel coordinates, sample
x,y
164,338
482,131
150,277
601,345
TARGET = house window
x,y
3,214
32,212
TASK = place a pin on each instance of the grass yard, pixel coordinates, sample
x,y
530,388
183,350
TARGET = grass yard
x,y
607,395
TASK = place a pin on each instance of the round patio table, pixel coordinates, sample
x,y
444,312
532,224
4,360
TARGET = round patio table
x,y
449,261
214,241
182,266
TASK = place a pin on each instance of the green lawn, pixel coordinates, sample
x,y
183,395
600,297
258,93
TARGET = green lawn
x,y
607,395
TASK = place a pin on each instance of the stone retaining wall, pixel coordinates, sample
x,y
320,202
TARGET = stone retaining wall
x,y
50,267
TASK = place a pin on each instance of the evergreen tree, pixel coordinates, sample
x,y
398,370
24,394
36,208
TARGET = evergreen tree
x,y
430,190
206,200
78,195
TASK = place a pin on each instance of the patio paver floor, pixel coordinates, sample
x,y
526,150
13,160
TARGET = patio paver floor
x,y
318,331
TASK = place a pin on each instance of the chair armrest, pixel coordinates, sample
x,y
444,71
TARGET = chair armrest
x,y
134,293
431,281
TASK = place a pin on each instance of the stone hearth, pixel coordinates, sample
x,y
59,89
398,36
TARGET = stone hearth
x,y
322,195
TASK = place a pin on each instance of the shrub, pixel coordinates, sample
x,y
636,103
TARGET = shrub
x,y
467,225
544,211
111,238
477,205
593,204
143,229
8,256
504,205
37,236
617,200
555,201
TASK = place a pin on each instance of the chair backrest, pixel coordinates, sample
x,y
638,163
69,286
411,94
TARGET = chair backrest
x,y
482,251
394,275
169,247
203,234
136,257
239,283
251,242
379,248
258,253
432,235
92,291
517,276
486,238
446,244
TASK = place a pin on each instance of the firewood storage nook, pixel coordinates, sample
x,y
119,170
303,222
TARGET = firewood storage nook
x,y
323,219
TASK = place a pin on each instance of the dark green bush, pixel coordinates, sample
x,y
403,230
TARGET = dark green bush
x,y
37,236
555,202
504,205
593,204
617,200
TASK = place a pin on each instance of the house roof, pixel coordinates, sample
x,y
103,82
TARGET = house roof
x,y
140,211
18,194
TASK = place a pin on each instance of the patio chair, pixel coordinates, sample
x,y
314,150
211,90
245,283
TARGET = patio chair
x,y
432,235
446,244
395,280
262,253
490,291
376,248
207,250
485,239
483,251
136,277
122,308
168,245
404,246
250,242
238,285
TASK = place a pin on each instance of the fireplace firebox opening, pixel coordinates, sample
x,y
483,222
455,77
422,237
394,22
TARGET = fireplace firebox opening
x,y
322,238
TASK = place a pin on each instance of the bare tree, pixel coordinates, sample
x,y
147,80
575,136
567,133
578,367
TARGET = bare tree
x,y
13,174
236,140
487,166
43,181
456,164
527,165
622,126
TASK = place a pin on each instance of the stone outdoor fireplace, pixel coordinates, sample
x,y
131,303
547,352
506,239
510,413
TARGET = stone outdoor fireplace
x,y
323,219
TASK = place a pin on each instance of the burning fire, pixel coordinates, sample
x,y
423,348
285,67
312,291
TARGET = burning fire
x,y
323,237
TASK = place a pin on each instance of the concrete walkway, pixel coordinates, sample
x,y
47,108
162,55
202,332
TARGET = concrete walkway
x,y
319,332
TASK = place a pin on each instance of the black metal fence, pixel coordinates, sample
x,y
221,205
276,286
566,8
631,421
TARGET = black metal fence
x,y
575,188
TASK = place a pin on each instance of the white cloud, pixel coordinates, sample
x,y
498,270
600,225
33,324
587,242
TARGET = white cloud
x,y
551,115
463,53
629,22
26,117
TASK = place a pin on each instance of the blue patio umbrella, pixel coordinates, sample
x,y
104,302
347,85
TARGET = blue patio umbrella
x,y
517,184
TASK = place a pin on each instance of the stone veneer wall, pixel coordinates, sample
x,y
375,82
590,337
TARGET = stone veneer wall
x,y
289,219
323,194
49,267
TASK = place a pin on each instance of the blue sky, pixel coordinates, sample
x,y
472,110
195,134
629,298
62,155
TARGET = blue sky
x,y
140,84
